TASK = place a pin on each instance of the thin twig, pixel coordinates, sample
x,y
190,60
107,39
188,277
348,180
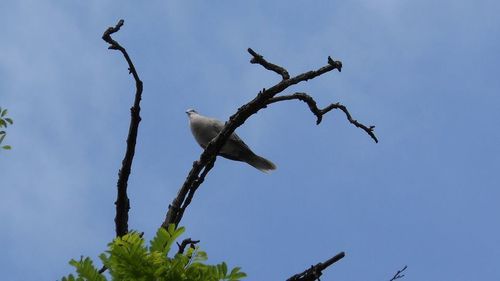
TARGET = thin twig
x,y
122,202
398,273
185,243
314,272
320,112
201,167
267,65
103,269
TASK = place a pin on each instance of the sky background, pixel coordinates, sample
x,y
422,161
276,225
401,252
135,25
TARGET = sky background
x,y
424,72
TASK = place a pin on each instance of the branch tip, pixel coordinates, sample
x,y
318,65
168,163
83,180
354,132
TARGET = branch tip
x,y
313,107
259,59
398,274
252,52
315,271
185,243
336,64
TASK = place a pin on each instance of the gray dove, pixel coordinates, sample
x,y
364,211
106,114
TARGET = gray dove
x,y
205,129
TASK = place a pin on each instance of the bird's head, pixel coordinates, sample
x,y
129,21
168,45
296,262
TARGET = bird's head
x,y
190,112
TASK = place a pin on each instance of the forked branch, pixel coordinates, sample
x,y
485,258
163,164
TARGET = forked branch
x,y
207,159
265,97
398,274
320,112
188,241
267,65
201,167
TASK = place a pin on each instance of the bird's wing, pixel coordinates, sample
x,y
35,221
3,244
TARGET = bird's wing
x,y
233,139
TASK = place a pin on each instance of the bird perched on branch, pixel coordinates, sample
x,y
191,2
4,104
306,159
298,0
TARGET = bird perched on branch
x,y
205,129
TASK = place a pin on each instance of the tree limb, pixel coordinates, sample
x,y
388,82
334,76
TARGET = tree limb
x,y
315,271
185,243
267,65
398,274
201,167
122,202
320,112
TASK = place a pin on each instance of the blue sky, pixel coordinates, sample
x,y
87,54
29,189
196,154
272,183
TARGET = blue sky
x,y
424,72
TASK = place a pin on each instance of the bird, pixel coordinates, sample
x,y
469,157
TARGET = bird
x,y
205,129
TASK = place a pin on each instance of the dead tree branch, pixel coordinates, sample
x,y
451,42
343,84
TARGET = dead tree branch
x,y
122,202
320,112
265,97
201,167
185,243
267,65
315,271
398,274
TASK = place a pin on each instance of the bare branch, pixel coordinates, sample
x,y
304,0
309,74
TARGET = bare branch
x,y
267,65
320,112
185,243
107,34
201,167
196,184
398,274
122,202
315,271
103,269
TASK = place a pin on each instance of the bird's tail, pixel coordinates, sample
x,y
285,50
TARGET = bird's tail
x,y
261,163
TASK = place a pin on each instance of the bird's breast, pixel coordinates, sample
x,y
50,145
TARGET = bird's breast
x,y
202,133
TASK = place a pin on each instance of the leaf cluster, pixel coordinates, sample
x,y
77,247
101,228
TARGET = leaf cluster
x,y
128,258
4,122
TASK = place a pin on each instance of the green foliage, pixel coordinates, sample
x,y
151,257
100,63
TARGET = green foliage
x,y
127,259
4,122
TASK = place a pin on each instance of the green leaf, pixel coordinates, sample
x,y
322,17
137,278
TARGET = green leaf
x,y
128,259
9,120
7,147
200,256
86,271
4,113
234,271
174,234
236,274
159,241
3,123
69,278
222,269
239,276
105,259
